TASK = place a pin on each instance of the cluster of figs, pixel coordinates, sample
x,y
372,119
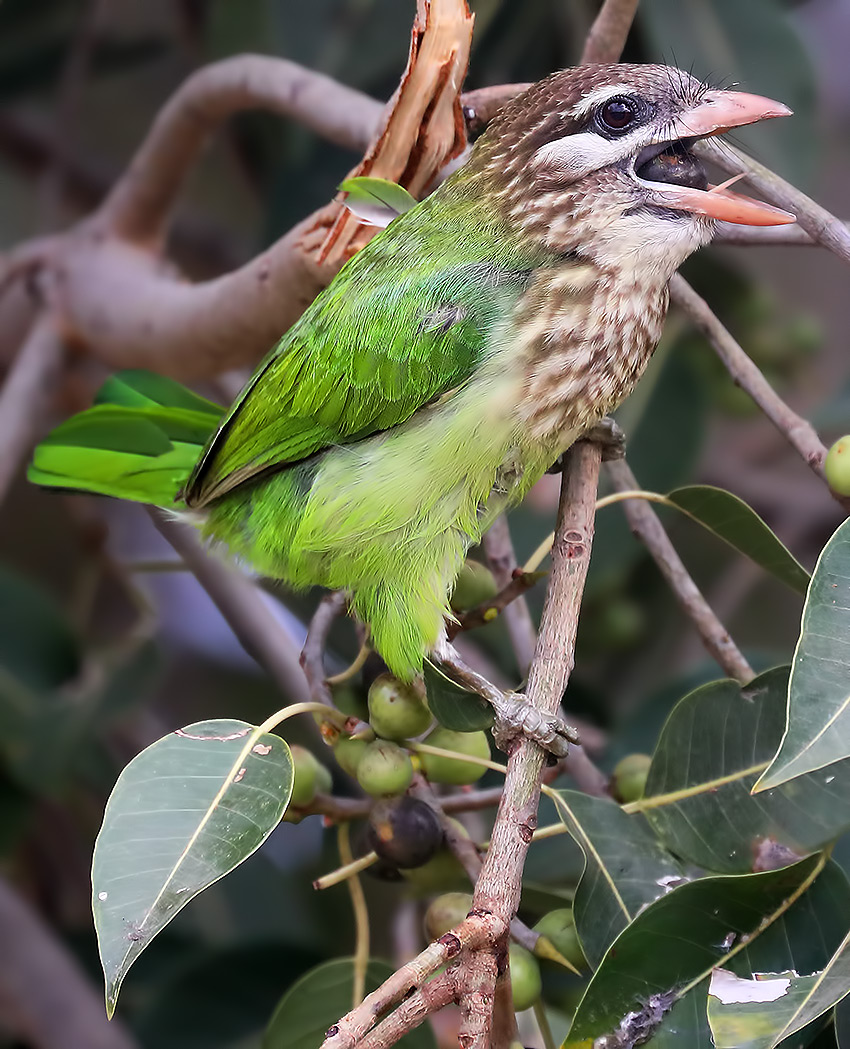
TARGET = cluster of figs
x,y
406,833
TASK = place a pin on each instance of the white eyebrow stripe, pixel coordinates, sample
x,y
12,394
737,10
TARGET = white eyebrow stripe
x,y
601,94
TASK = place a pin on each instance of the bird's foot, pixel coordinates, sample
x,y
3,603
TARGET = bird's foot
x,y
608,434
515,715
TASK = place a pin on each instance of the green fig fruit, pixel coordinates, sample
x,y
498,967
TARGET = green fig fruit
x,y
439,769
475,584
305,767
629,777
526,983
559,927
396,710
446,912
348,750
384,769
836,466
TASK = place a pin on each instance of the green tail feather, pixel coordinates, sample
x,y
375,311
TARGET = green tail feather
x,y
140,441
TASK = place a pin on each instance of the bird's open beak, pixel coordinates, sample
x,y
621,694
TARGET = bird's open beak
x,y
717,111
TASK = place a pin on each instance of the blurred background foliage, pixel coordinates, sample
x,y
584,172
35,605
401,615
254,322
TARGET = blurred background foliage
x,y
105,646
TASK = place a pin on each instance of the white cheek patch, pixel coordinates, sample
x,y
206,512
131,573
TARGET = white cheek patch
x,y
578,155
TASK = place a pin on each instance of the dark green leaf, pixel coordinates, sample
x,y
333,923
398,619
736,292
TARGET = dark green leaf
x,y
652,983
453,706
224,996
626,867
184,812
320,998
717,740
732,520
818,730
376,200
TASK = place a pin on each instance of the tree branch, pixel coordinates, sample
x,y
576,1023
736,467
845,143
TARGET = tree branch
x,y
799,433
607,36
499,885
243,605
139,206
26,396
820,224
503,563
473,931
413,1011
45,999
645,524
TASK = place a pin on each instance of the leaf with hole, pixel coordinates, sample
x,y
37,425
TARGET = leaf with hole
x,y
652,984
184,813
818,724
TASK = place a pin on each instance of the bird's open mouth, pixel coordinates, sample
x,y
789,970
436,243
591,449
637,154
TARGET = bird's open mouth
x,y
671,163
677,177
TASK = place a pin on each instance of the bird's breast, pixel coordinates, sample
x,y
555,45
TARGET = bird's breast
x,y
585,337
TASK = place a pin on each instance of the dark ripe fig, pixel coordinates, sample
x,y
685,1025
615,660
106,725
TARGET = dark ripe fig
x,y
404,832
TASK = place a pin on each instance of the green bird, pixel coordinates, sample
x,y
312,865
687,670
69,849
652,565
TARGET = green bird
x,y
448,364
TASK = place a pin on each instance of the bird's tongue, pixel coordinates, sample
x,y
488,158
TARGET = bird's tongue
x,y
723,204
716,112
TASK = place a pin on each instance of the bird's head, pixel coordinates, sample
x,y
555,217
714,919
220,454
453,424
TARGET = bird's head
x,y
598,159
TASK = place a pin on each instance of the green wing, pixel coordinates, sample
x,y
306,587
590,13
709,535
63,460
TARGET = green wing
x,y
369,352
140,441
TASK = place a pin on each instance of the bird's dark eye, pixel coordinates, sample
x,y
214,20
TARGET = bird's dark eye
x,y
618,114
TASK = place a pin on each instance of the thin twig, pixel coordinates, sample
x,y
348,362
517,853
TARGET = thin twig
x,y
499,885
608,34
645,524
503,563
312,655
819,223
799,432
487,611
361,919
243,605
26,395
349,869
